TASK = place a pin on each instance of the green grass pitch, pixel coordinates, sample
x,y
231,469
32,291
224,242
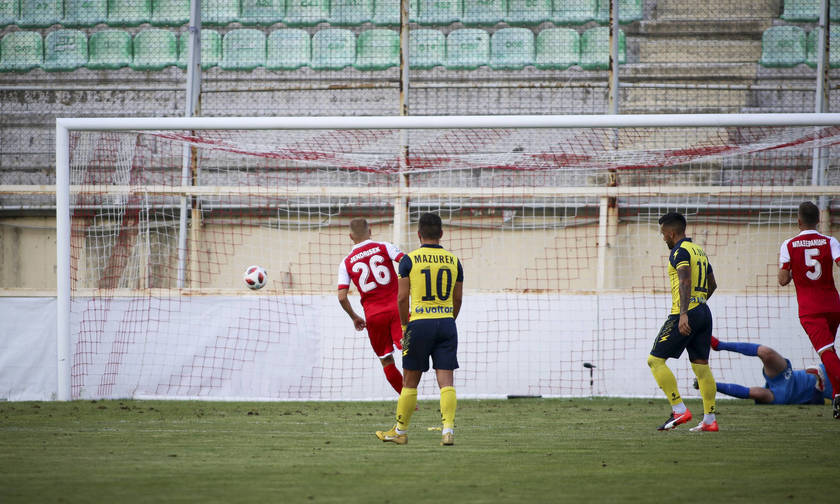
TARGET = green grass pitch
x,y
526,450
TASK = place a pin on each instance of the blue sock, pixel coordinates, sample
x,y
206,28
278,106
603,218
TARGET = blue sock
x,y
748,349
734,390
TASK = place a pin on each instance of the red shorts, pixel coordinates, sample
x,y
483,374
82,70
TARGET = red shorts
x,y
821,329
385,332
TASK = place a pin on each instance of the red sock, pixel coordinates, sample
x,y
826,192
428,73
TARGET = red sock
x,y
396,379
832,367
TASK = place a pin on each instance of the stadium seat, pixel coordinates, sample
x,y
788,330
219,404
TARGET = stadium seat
x,y
595,48
387,12
628,11
808,10
211,49
834,50
467,49
574,12
40,13
484,12
306,12
288,49
377,49
243,49
426,49
109,49
333,49
438,12
65,50
521,12
84,12
351,12
511,49
262,12
170,12
9,12
21,51
219,12
782,46
129,12
154,49
557,49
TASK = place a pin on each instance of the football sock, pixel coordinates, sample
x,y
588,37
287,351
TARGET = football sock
x,y
447,408
748,349
405,407
706,382
832,368
680,408
734,390
665,379
708,419
394,377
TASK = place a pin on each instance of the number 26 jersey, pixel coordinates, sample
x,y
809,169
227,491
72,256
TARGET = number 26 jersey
x,y
432,272
369,266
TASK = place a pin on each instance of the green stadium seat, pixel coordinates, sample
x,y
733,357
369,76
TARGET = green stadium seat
x,y
522,12
262,12
333,49
484,12
211,49
511,49
350,12
833,52
438,12
170,12
628,11
426,48
387,12
288,49
154,49
9,12
85,12
243,49
557,49
377,49
595,48
306,12
109,50
21,51
219,12
783,46
574,12
40,13
129,12
65,50
467,49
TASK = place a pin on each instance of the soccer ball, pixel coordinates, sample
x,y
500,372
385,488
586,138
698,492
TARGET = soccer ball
x,y
255,277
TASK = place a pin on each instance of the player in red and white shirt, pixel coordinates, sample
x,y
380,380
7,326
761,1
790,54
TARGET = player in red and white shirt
x,y
370,267
807,259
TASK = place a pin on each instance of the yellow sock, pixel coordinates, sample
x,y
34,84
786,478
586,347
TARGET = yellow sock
x,y
665,379
707,386
405,407
448,402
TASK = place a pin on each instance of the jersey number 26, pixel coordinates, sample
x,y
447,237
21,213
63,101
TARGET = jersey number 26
x,y
381,274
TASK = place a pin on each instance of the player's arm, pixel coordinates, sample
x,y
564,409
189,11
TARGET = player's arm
x,y
458,291
712,283
684,275
404,289
358,322
785,275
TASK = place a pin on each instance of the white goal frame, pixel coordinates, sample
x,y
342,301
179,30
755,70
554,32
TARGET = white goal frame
x,y
400,194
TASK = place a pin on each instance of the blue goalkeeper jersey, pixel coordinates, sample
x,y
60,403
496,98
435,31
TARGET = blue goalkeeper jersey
x,y
798,387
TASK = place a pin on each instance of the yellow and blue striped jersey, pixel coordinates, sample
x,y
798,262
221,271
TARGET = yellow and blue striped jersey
x,y
432,272
686,253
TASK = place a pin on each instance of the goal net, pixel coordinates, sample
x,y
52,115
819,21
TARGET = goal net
x,y
553,218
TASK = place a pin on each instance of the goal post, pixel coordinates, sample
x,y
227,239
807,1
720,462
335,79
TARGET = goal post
x,y
553,216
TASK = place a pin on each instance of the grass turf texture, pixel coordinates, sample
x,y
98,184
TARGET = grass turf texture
x,y
529,450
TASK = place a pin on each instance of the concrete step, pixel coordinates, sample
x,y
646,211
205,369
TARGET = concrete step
x,y
695,50
740,28
717,9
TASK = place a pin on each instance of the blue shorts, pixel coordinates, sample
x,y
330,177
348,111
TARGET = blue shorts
x,y
793,387
435,338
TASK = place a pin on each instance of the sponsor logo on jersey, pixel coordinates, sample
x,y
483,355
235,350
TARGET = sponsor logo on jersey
x,y
433,309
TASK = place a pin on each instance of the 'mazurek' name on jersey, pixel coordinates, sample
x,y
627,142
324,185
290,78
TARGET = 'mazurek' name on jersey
x,y
434,258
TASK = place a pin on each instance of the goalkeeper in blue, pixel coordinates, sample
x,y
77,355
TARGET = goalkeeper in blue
x,y
784,385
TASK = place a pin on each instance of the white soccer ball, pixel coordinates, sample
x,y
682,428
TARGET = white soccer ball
x,y
255,277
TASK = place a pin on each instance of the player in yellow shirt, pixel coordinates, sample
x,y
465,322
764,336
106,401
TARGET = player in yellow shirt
x,y
431,278
689,326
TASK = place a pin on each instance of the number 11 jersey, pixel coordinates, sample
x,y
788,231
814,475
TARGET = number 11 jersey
x,y
370,267
810,256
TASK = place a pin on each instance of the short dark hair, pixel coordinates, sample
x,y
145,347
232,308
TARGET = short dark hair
x,y
809,214
359,227
430,226
673,220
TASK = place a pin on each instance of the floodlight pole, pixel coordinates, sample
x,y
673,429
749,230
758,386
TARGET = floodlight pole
x,y
820,161
401,202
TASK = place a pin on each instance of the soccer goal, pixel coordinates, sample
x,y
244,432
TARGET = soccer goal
x,y
554,219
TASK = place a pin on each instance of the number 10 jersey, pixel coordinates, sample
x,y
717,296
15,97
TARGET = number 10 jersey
x,y
432,272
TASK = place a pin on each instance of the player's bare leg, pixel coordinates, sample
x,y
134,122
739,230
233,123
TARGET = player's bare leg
x,y
448,403
774,363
